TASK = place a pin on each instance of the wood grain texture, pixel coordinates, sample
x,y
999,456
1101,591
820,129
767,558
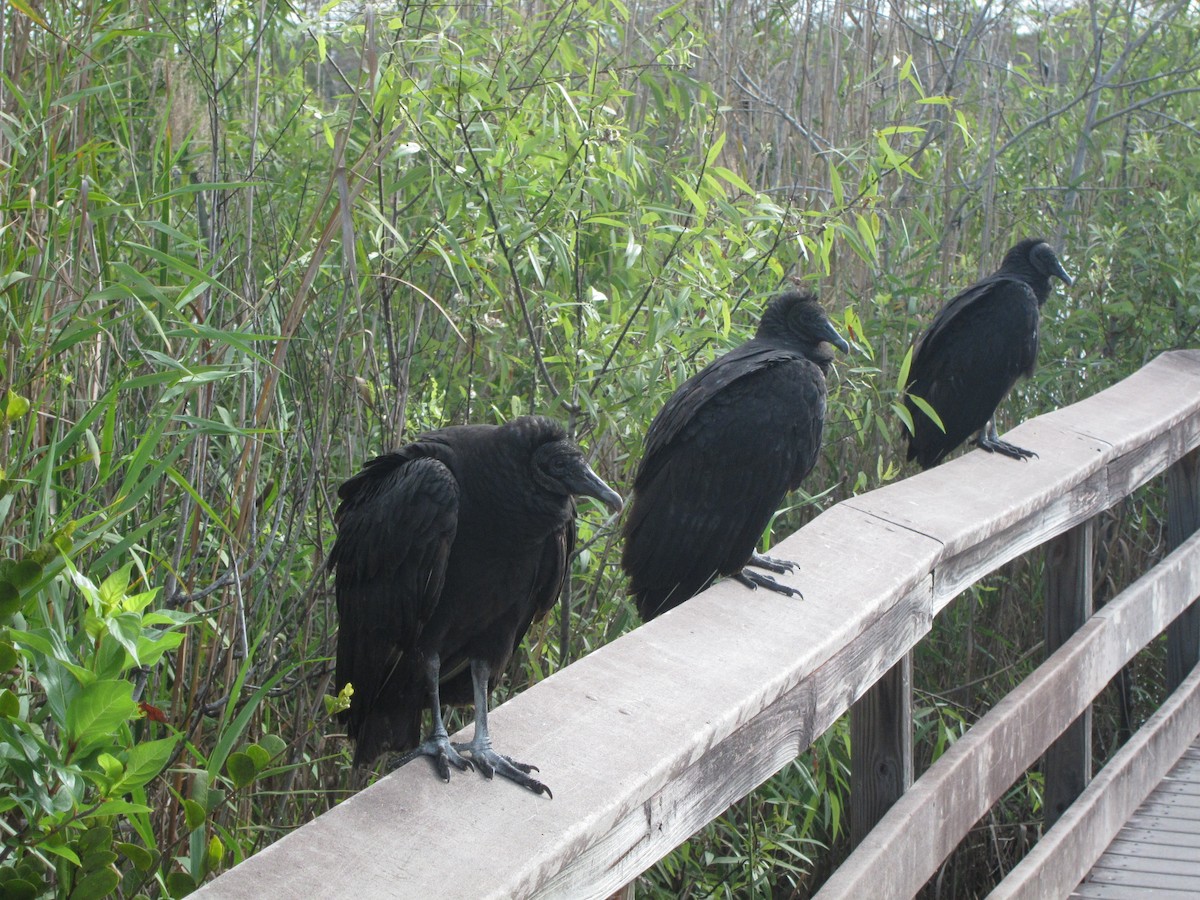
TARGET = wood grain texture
x,y
1183,519
881,760
651,736
1109,805
1067,766
921,830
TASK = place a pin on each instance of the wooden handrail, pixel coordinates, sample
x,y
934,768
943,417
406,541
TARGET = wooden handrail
x,y
650,737
926,824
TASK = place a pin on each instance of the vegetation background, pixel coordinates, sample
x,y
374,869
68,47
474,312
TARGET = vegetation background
x,y
247,244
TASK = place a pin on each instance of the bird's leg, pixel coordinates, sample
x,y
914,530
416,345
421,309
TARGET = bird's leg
x,y
754,580
437,746
989,440
485,758
771,564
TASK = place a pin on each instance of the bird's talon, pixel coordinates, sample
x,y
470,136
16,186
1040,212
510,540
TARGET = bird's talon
x,y
771,564
490,763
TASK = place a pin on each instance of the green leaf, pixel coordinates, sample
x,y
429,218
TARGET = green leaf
x,y
273,744
8,657
99,709
259,756
20,889
10,705
146,760
23,7
95,838
141,858
835,184
194,813
100,858
117,808
110,765
902,378
241,769
24,573
216,853
56,845
180,884
928,410
10,600
95,885
113,588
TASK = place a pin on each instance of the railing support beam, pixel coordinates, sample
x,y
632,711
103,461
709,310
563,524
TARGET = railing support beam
x,y
1183,519
1067,765
881,760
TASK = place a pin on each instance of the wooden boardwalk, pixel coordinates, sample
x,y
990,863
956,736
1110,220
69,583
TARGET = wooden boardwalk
x,y
643,745
1157,853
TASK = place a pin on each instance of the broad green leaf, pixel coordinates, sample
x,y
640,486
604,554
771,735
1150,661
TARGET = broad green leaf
x,y
25,572
99,709
194,813
259,756
141,858
8,657
216,853
95,838
10,600
113,588
96,884
145,761
273,744
241,769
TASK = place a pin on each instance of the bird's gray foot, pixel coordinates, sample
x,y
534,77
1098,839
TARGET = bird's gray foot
x,y
491,763
438,748
754,580
771,564
995,445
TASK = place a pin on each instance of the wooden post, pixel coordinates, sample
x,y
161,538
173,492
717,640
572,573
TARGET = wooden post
x,y
881,761
1183,518
1067,765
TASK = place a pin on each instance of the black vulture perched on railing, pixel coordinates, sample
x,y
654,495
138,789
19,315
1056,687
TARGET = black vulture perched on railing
x,y
722,454
447,550
971,355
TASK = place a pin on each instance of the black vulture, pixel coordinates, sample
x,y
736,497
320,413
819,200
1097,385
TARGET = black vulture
x,y
971,355
722,454
447,550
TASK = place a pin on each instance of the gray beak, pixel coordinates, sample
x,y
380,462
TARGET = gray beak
x,y
589,484
1061,273
836,339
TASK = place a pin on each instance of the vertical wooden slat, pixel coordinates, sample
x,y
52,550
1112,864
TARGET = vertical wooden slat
x,y
1183,518
1067,765
881,767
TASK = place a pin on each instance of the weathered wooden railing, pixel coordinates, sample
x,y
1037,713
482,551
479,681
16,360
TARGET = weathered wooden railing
x,y
650,737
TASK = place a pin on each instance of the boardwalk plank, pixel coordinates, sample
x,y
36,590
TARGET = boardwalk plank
x,y
1153,850
1062,858
1158,822
1132,859
1124,892
1165,839
1143,880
